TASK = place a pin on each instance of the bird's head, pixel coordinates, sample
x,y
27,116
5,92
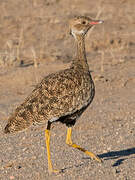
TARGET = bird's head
x,y
81,24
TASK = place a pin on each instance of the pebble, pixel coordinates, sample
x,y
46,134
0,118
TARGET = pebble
x,y
11,177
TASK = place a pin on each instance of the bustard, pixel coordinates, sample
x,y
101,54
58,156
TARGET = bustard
x,y
61,96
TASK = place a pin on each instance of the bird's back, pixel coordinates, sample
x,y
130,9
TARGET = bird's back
x,y
58,94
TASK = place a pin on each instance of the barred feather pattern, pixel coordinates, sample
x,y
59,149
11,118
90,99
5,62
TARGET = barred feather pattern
x,y
61,96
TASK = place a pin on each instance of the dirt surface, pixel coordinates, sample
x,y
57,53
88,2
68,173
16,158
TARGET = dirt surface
x,y
35,33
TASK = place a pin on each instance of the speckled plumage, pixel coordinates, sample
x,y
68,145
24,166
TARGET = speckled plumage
x,y
57,95
60,96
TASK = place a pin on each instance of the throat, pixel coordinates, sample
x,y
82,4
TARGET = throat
x,y
80,58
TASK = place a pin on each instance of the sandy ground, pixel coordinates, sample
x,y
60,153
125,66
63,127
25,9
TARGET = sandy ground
x,y
38,30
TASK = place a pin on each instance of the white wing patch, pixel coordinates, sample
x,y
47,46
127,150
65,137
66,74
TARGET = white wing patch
x,y
54,119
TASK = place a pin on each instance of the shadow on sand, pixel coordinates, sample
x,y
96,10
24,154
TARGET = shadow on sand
x,y
109,155
117,154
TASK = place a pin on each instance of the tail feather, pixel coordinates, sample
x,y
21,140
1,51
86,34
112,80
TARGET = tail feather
x,y
6,130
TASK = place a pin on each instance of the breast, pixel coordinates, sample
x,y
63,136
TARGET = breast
x,y
65,93
87,91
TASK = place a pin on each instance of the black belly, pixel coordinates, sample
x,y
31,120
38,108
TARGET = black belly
x,y
70,120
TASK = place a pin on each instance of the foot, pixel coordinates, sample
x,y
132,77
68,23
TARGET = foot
x,y
54,171
93,156
97,159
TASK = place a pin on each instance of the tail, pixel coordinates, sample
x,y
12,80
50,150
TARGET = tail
x,y
9,128
16,124
6,130
20,120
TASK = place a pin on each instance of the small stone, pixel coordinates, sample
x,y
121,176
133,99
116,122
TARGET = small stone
x,y
19,167
117,171
11,177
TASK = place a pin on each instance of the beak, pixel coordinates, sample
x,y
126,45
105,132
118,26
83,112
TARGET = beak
x,y
93,22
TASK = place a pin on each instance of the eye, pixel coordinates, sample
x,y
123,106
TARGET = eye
x,y
83,22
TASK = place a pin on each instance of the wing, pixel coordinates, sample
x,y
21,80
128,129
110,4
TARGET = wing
x,y
57,95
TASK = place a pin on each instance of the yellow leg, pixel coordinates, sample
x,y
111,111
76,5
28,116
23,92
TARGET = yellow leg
x,y
70,143
50,168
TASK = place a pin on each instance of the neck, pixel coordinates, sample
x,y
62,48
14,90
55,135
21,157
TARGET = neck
x,y
80,58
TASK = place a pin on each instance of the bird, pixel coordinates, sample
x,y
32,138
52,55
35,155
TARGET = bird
x,y
60,97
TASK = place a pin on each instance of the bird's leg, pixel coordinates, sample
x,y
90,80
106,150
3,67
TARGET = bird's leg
x,y
47,137
70,143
